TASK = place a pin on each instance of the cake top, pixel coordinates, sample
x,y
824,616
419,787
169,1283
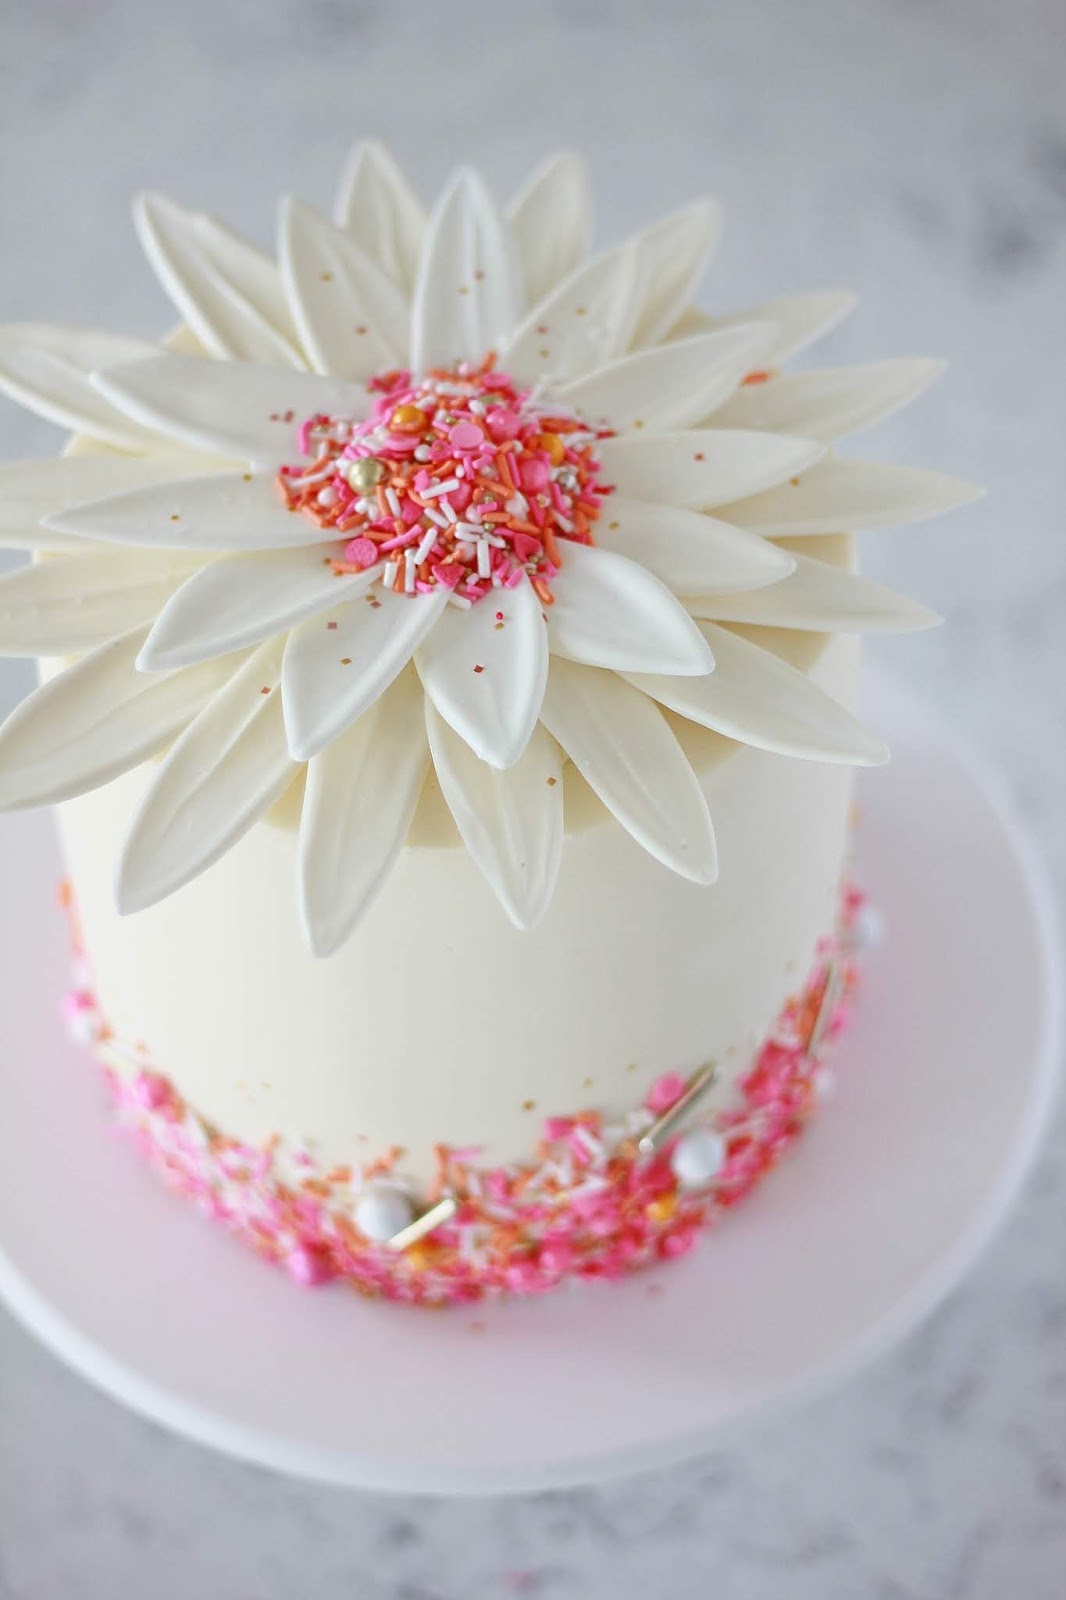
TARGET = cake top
x,y
439,491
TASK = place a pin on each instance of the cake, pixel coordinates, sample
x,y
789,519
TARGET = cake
x,y
450,653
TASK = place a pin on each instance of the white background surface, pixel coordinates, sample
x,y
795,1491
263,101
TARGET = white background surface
x,y
914,151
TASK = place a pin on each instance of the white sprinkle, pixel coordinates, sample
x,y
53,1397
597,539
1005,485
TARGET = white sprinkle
x,y
440,488
446,507
393,501
564,522
422,452
426,546
327,496
460,602
589,1141
388,577
460,471
409,571
517,506
435,516
320,476
484,559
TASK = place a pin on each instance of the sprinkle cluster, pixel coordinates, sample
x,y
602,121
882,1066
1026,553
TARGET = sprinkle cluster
x,y
590,1205
457,479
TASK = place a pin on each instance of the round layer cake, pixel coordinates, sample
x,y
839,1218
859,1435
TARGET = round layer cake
x,y
504,605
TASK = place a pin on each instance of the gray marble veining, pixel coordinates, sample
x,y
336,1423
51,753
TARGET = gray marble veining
x,y
915,151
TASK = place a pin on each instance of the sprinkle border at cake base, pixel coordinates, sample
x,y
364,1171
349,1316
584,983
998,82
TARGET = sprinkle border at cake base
x,y
601,1199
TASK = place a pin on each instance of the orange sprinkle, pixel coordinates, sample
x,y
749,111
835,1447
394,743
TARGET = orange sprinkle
x,y
503,467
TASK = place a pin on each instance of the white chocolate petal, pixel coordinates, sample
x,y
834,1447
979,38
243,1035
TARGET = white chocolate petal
x,y
549,219
353,318
227,511
845,496
239,600
623,748
828,403
671,385
702,467
331,675
47,368
378,207
96,720
361,795
33,490
673,255
485,671
584,322
238,410
467,295
611,612
511,822
228,767
690,552
819,598
228,292
78,601
800,319
755,697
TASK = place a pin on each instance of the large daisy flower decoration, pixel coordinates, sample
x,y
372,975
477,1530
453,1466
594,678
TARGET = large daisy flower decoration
x,y
441,493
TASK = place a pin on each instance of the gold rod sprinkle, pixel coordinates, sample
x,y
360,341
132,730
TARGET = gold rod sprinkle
x,y
661,1130
827,1004
441,1212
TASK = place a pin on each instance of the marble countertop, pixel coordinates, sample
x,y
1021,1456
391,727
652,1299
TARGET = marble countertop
x,y
915,151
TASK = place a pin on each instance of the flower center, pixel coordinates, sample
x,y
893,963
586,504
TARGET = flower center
x,y
457,479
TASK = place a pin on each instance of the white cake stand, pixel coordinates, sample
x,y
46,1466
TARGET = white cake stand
x,y
945,1083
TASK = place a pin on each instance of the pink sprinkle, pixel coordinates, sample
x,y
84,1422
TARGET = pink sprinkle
x,y
76,1001
665,1092
526,547
309,1265
503,424
305,436
400,541
534,473
557,1258
466,435
449,573
679,1243
361,552
150,1090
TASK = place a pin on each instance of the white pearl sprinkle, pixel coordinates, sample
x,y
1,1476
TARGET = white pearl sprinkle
x,y
868,929
84,1026
697,1156
380,1213
824,1083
